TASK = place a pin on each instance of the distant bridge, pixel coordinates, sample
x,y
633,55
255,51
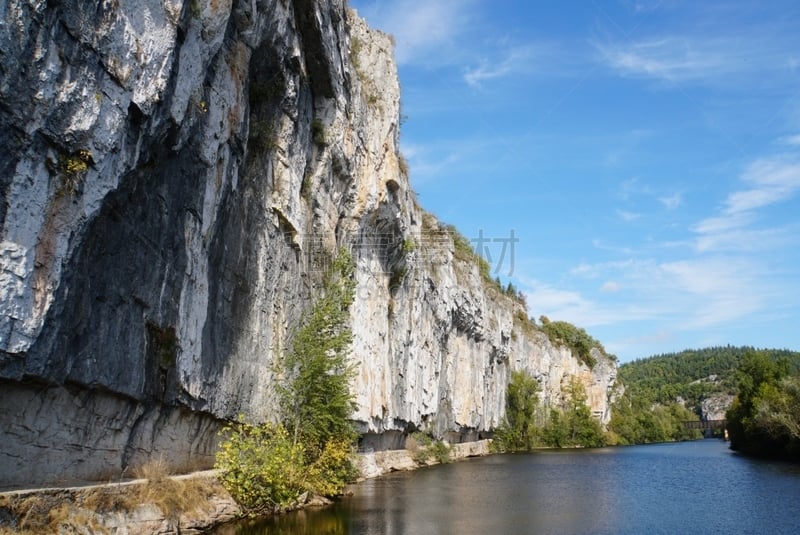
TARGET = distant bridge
x,y
706,425
710,428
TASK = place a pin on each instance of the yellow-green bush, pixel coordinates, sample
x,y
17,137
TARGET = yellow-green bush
x,y
261,467
333,469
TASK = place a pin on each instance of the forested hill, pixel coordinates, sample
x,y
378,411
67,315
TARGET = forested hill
x,y
693,373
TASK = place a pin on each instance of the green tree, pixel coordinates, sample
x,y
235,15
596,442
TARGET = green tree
x,y
316,400
584,429
268,466
574,425
636,419
556,430
777,412
518,431
764,419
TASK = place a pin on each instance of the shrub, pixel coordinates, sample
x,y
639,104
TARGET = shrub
x,y
355,51
440,451
334,468
262,135
428,448
72,169
261,467
319,134
403,164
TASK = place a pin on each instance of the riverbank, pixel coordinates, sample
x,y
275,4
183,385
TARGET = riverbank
x,y
161,504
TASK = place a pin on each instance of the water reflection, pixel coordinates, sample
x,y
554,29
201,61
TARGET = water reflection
x,y
326,521
672,488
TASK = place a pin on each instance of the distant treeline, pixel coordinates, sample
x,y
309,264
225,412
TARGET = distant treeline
x,y
663,391
664,378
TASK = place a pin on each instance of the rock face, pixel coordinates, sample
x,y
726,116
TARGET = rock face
x,y
175,175
714,406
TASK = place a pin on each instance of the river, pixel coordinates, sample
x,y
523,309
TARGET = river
x,y
689,487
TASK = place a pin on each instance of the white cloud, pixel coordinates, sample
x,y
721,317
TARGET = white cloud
x,y
774,180
720,289
746,241
792,140
546,298
628,216
610,286
683,294
721,224
671,202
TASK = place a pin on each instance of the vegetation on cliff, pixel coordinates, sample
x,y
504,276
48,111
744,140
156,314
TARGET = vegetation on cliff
x,y
563,333
269,466
764,419
528,424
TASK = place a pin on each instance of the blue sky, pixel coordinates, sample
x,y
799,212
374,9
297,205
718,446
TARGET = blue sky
x,y
646,155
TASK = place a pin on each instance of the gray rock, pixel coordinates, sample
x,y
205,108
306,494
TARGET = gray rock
x,y
714,406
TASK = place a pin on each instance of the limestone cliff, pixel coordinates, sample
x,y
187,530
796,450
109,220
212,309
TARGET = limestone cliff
x,y
174,177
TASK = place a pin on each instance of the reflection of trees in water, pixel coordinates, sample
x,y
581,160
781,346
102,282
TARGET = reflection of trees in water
x,y
323,521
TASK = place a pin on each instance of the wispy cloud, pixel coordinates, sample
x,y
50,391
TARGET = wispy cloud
x,y
610,286
747,240
632,188
683,295
720,289
628,216
774,180
771,181
671,202
425,164
695,58
512,61
668,58
791,140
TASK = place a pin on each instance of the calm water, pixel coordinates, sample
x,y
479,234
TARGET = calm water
x,y
691,487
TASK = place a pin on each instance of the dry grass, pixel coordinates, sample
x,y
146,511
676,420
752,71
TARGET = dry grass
x,y
80,510
47,513
171,495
